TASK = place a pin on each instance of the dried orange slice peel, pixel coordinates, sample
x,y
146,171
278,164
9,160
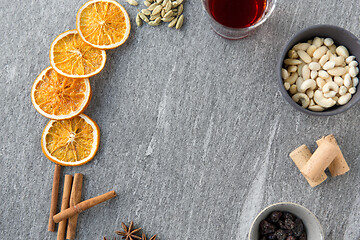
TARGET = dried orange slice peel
x,y
103,24
71,142
70,56
58,97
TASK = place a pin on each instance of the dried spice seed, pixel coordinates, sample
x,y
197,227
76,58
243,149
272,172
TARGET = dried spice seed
x,y
163,12
172,23
153,23
167,19
157,10
158,20
180,9
168,6
147,3
159,1
153,17
143,17
138,20
180,22
133,2
169,14
153,6
146,12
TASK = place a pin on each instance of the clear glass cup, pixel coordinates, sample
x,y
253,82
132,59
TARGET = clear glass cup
x,y
238,33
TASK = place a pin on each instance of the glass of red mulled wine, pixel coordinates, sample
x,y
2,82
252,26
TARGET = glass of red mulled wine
x,y
236,19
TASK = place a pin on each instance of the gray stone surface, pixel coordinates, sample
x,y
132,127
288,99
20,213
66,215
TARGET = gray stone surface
x,y
195,136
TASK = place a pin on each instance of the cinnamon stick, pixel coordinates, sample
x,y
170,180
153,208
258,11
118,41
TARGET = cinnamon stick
x,y
64,205
339,166
300,156
54,197
75,198
82,206
320,160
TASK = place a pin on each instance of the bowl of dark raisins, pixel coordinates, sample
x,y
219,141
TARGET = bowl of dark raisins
x,y
286,221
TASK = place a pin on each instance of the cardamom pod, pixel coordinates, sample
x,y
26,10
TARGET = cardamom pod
x,y
180,22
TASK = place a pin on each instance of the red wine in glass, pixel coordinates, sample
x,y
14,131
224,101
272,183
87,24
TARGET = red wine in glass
x,y
237,13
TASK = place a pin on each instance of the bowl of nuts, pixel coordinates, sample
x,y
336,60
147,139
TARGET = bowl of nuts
x,y
286,221
318,70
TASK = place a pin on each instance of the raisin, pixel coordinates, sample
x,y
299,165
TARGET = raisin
x,y
272,237
280,234
303,236
266,227
291,238
275,216
289,224
299,227
281,224
288,215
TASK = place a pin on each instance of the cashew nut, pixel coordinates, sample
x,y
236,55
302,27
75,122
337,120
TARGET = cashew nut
x,y
311,50
292,78
293,54
350,59
320,82
328,42
298,84
301,98
286,85
316,108
355,81
352,90
339,81
344,99
310,93
330,86
306,72
343,90
330,94
304,56
313,74
307,84
292,69
323,101
293,89
347,81
323,60
342,51
284,73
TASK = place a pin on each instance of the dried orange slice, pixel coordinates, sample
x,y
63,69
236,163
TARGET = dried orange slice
x,y
71,142
58,97
103,24
70,56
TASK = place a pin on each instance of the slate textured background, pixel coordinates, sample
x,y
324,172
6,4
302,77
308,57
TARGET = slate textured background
x,y
195,136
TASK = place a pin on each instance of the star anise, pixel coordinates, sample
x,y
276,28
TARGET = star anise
x,y
128,233
144,237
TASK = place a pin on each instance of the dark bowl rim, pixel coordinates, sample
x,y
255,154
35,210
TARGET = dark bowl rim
x,y
284,92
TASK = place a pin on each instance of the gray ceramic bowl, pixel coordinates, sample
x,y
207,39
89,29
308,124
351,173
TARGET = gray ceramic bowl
x,y
313,228
340,37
